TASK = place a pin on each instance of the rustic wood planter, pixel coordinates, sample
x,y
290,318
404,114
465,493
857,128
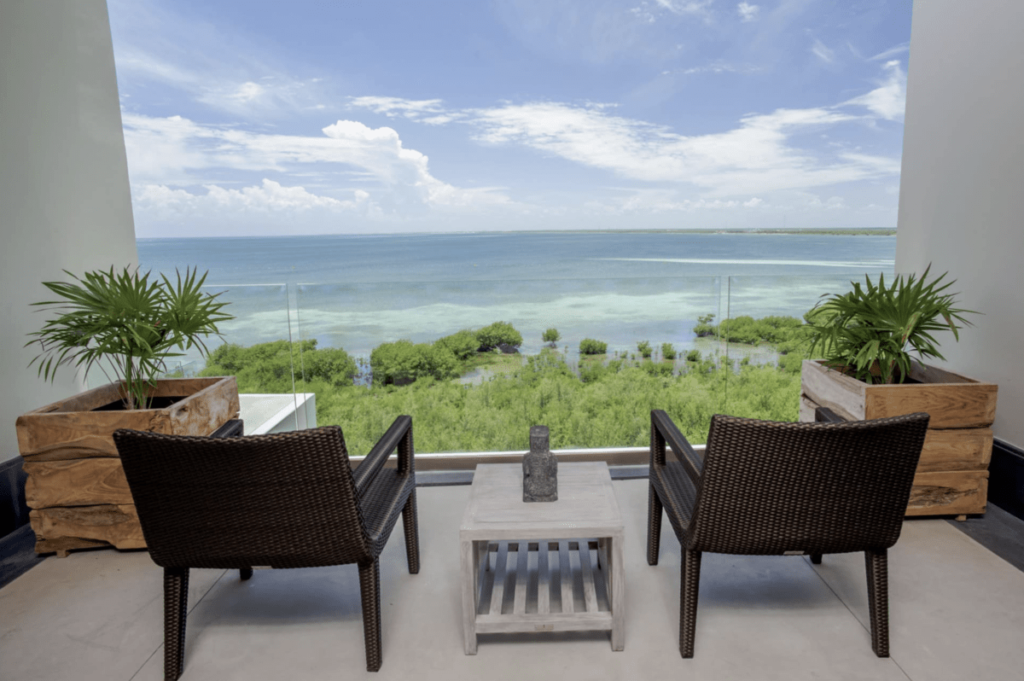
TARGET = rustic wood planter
x,y
76,486
952,477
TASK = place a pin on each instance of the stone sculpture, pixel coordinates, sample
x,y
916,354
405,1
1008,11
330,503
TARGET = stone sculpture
x,y
540,468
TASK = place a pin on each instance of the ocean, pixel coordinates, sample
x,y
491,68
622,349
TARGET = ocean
x,y
356,292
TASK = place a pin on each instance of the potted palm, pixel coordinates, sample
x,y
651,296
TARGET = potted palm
x,y
874,341
126,325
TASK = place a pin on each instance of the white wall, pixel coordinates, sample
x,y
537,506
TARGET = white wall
x,y
64,195
962,189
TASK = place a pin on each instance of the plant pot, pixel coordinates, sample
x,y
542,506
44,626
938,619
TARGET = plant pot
x,y
76,486
952,476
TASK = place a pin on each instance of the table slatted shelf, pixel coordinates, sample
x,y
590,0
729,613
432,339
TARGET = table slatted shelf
x,y
523,584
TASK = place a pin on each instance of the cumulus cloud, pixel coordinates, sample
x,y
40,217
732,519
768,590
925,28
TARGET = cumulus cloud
x,y
889,99
747,11
178,152
268,196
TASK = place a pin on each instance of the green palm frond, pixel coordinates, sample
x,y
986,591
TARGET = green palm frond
x,y
878,327
129,319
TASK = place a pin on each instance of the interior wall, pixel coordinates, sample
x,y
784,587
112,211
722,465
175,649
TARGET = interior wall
x,y
962,188
64,196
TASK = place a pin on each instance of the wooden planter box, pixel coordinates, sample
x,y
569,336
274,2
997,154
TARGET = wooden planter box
x,y
76,486
952,477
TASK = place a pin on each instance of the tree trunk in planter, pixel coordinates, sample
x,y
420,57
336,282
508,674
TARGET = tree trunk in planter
x,y
76,486
952,476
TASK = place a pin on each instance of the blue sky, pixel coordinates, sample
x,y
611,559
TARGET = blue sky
x,y
262,118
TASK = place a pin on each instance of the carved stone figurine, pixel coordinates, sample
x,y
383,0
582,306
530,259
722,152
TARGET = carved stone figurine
x,y
540,468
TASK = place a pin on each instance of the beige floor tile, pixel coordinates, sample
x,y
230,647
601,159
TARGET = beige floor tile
x,y
99,615
956,609
92,615
769,616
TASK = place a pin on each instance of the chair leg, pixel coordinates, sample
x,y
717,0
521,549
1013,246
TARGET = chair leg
x,y
369,586
689,590
654,515
877,567
816,558
245,573
175,614
412,534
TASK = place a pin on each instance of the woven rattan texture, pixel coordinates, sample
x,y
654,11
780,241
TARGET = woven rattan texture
x,y
287,500
283,500
769,487
175,611
877,564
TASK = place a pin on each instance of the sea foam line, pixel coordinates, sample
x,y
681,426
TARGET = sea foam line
x,y
880,264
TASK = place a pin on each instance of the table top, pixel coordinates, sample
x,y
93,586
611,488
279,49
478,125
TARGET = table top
x,y
586,505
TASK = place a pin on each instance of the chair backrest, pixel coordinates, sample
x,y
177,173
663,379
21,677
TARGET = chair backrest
x,y
283,500
770,488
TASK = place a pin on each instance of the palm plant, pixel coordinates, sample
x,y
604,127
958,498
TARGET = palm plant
x,y
871,331
134,323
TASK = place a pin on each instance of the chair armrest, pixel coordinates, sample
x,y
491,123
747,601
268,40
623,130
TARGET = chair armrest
x,y
399,435
663,431
825,415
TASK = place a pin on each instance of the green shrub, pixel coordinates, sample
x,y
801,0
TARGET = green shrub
x,y
745,329
704,326
551,336
644,348
668,351
268,367
402,362
693,356
491,336
657,369
332,365
462,344
589,346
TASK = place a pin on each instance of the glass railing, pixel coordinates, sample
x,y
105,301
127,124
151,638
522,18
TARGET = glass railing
x,y
465,399
372,351
763,342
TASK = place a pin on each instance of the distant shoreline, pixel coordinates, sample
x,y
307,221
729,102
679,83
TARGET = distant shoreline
x,y
854,231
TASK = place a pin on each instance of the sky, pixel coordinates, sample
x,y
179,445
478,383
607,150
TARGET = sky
x,y
389,116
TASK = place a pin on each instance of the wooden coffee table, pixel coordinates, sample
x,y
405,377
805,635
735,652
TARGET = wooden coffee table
x,y
545,566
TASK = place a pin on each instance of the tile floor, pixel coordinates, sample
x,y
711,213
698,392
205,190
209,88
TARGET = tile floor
x,y
957,613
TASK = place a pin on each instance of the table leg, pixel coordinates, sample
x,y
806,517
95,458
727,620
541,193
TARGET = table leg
x,y
617,594
469,594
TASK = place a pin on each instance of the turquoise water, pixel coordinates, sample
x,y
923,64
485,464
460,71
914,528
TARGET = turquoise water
x,y
358,291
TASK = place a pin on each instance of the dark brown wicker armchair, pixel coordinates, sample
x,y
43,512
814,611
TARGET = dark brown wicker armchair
x,y
283,501
766,488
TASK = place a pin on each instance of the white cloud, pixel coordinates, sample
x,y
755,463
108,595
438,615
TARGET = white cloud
x,y
268,196
699,7
892,52
176,151
754,157
647,13
889,99
747,11
273,94
396,106
820,50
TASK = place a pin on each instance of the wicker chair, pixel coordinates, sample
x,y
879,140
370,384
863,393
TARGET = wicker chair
x,y
766,488
289,500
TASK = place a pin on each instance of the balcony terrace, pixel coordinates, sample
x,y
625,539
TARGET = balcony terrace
x,y
954,614
956,589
